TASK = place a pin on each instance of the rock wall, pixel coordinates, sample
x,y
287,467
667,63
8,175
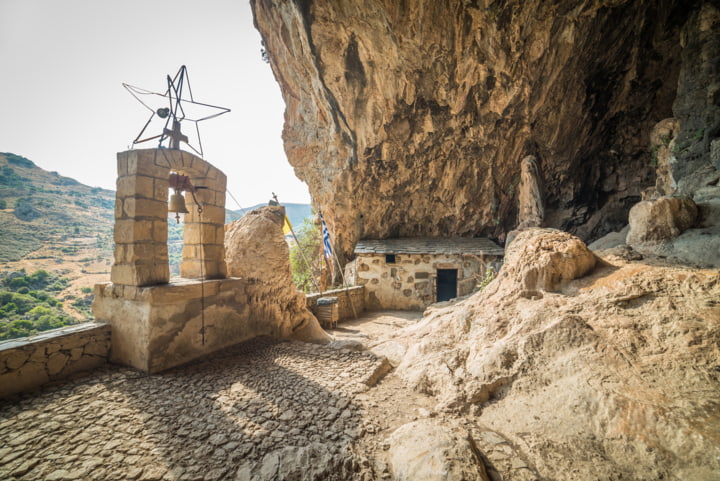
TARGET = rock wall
x,y
256,251
412,118
31,362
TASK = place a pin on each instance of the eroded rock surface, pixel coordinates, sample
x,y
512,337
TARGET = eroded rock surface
x,y
541,259
653,221
413,119
427,451
613,376
255,249
530,198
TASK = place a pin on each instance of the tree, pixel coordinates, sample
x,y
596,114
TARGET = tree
x,y
310,244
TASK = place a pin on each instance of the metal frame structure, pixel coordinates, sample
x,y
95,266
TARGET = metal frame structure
x,y
175,111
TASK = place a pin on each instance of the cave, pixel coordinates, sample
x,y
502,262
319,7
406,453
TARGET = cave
x,y
412,119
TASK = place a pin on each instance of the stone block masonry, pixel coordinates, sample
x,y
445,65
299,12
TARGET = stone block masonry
x,y
355,294
53,355
141,255
159,327
159,323
410,283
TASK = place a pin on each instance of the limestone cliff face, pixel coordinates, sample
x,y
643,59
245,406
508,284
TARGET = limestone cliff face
x,y
412,118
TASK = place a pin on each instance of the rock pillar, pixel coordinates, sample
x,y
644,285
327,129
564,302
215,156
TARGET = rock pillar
x,y
141,255
530,197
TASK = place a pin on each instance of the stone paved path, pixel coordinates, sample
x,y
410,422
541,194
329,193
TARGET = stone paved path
x,y
257,411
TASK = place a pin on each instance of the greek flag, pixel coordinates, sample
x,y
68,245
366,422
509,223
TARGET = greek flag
x,y
326,239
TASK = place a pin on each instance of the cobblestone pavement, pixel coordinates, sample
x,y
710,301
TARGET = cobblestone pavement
x,y
262,410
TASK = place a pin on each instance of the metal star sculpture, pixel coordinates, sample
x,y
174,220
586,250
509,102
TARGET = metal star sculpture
x,y
176,111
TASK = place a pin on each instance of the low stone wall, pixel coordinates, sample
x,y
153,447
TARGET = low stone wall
x,y
52,355
355,294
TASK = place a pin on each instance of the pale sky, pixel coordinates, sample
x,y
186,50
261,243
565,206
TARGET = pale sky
x,y
62,104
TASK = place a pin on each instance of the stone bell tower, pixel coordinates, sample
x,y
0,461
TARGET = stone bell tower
x,y
159,322
141,213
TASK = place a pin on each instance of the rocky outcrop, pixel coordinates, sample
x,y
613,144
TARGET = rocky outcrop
x,y
675,228
413,119
613,376
652,221
427,451
255,249
541,259
663,144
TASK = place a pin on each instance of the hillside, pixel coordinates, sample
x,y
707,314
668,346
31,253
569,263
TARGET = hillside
x,y
45,209
55,224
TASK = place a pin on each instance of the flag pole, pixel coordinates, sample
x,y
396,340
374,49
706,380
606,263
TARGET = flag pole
x,y
342,274
297,241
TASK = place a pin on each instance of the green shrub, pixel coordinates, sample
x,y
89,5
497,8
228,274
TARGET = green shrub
x,y
38,311
10,178
309,249
22,324
9,307
40,275
23,302
19,160
490,275
25,211
25,312
40,295
18,282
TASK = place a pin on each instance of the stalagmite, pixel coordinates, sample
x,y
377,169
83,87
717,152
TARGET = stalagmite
x,y
530,197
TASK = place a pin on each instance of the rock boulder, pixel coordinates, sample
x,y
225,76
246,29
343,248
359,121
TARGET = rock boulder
x,y
654,221
612,376
255,249
426,451
540,259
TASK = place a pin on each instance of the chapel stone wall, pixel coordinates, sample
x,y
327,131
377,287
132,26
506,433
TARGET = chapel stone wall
x,y
410,283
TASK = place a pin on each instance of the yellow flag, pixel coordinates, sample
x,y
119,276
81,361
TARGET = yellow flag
x,y
287,227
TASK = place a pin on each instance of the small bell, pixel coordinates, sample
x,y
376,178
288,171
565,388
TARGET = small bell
x,y
177,205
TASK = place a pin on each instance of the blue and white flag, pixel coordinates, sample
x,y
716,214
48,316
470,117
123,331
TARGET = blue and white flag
x,y
326,239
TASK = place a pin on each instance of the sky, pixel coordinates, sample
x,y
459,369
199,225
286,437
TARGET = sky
x,y
63,106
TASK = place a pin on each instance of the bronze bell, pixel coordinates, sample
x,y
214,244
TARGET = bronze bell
x,y
177,205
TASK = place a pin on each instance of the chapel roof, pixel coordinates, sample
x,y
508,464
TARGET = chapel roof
x,y
430,245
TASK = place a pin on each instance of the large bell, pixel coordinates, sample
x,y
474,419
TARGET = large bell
x,y
177,205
